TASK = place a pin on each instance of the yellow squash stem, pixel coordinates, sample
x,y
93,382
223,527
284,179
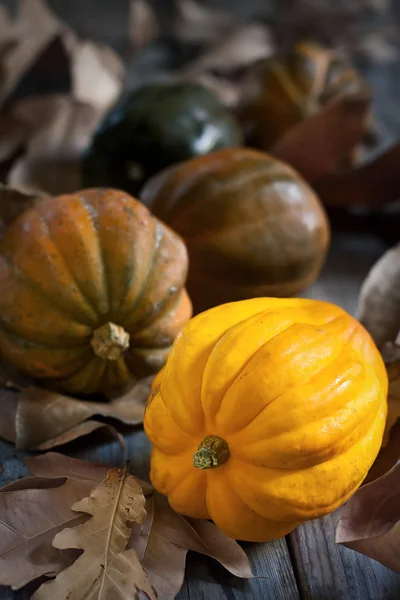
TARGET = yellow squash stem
x,y
212,452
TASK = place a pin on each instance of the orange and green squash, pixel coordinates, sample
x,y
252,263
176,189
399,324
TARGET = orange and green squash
x,y
252,225
281,91
268,413
92,291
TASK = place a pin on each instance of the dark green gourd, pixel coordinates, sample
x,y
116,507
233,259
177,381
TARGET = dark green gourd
x,y
153,128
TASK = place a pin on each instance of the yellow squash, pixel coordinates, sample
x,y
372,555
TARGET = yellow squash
x,y
269,412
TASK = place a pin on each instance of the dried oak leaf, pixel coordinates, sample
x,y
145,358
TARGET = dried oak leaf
x,y
370,521
161,542
106,569
26,552
27,534
42,419
143,24
318,146
166,538
379,300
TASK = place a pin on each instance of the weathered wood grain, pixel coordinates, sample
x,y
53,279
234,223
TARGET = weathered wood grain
x,y
328,571
206,579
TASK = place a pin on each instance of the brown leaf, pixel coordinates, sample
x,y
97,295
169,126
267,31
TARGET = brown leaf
x,y
199,23
80,430
42,416
160,543
220,69
318,146
55,175
13,202
379,300
54,150
166,539
244,46
97,75
26,552
143,24
370,522
23,39
26,549
387,457
55,135
375,184
393,400
105,569
52,464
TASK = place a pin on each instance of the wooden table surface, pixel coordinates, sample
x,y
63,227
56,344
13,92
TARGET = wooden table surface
x,y
307,564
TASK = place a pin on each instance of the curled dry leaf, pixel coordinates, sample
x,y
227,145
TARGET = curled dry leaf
x,y
87,473
199,23
52,159
390,451
97,75
220,68
143,24
374,184
81,430
393,398
165,540
56,131
379,311
105,569
23,39
370,522
319,146
379,301
44,419
29,533
387,457
244,46
26,534
95,71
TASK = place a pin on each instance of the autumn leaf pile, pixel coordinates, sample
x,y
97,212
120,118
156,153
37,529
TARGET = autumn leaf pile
x,y
97,532
102,533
